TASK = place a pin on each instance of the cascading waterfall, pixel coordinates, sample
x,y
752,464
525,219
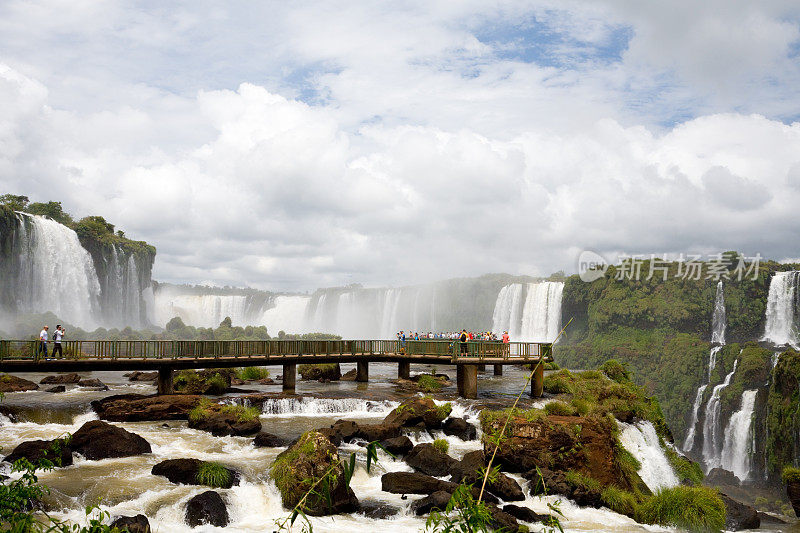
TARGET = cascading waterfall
x,y
718,319
688,443
782,309
642,441
541,316
712,439
288,314
305,406
737,450
391,305
506,316
55,273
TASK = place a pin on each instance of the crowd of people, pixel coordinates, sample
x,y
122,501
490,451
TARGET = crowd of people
x,y
453,335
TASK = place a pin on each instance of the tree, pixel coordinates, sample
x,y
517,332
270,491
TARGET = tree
x,y
14,201
226,323
52,210
175,324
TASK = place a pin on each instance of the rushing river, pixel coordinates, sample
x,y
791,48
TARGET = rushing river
x,y
126,487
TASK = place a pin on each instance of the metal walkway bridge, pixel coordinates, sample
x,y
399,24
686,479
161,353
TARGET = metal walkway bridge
x,y
167,356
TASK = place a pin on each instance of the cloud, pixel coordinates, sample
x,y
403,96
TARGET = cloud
x,y
734,192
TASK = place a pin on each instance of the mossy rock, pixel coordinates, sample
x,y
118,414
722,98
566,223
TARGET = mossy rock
x,y
329,371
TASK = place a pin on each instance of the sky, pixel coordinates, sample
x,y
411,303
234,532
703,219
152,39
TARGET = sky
x,y
296,145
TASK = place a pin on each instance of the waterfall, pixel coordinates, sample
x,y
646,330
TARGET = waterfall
x,y
506,316
712,440
541,316
738,447
391,305
55,272
642,441
319,321
305,406
688,443
718,320
288,314
781,314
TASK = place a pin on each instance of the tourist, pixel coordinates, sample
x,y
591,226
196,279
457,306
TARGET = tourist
x,y
43,342
58,334
464,338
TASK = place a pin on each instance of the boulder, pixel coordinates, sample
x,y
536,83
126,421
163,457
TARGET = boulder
x,y
184,472
207,508
525,514
377,510
428,460
420,413
556,483
9,383
398,445
266,381
140,408
416,483
55,451
220,423
296,469
502,521
437,500
268,440
8,413
793,492
141,376
331,435
61,379
721,477
132,524
459,427
350,375
348,431
739,516
93,382
470,469
57,388
329,371
100,440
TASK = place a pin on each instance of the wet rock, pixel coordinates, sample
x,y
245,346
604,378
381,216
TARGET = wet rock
x,y
377,510
348,431
793,492
398,445
132,524
94,382
437,500
60,379
268,440
769,518
237,381
418,413
140,408
221,423
525,514
329,371
459,427
556,483
331,435
720,476
470,469
207,508
266,381
739,516
141,376
55,451
297,468
502,520
10,383
416,483
350,375
184,472
57,388
8,413
100,440
428,460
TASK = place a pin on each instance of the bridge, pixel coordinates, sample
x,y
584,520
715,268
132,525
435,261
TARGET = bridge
x,y
166,356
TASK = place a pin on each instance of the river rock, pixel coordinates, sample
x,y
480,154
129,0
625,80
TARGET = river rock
x,y
377,510
329,371
184,472
10,383
721,477
100,440
207,508
348,431
398,445
739,516
61,379
268,440
502,521
525,514
459,427
302,464
350,375
418,413
141,376
793,492
469,470
556,483
34,451
416,483
140,408
57,388
8,413
437,500
220,423
132,524
428,460
93,382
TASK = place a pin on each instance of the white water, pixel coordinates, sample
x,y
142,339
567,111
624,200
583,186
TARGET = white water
x,y
541,316
56,273
391,305
737,451
718,320
688,443
122,297
201,310
642,441
350,407
712,439
288,314
507,310
782,313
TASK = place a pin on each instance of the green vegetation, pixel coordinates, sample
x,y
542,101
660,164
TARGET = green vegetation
x,y
560,408
201,411
205,407
463,514
442,445
790,474
252,373
685,469
242,413
213,474
783,413
320,371
443,410
692,508
208,381
620,501
576,479
428,383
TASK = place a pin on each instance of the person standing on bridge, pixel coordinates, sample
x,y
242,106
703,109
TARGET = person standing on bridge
x,y
43,342
464,338
506,344
58,334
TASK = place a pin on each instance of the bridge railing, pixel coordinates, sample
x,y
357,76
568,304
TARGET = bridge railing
x,y
171,349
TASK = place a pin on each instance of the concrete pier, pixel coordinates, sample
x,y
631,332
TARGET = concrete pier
x,y
165,380
289,377
403,370
498,370
467,381
362,371
537,382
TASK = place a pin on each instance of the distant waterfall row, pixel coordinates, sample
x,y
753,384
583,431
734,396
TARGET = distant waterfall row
x,y
537,319
782,317
45,268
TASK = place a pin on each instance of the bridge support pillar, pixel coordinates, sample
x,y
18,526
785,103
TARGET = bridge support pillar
x,y
403,370
467,381
498,370
289,377
537,382
482,367
362,371
165,380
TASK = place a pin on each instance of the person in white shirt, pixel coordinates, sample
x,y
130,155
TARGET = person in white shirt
x,y
43,342
58,334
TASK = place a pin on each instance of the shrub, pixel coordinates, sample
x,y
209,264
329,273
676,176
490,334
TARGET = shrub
x,y
429,383
791,474
242,413
330,371
201,410
442,445
559,383
692,508
444,410
616,371
620,501
686,469
560,408
252,373
216,384
627,464
213,474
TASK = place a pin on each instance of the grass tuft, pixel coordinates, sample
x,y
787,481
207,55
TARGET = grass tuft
x,y
576,479
252,373
213,475
201,410
560,408
791,474
686,469
692,508
242,413
442,445
429,383
620,501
